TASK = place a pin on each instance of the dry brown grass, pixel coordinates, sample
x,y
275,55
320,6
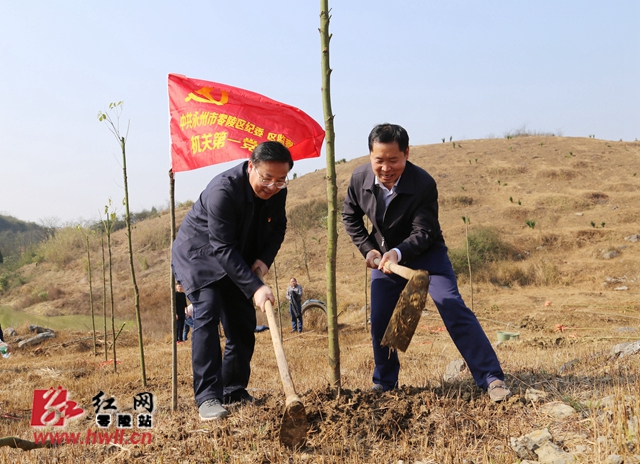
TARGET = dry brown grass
x,y
427,420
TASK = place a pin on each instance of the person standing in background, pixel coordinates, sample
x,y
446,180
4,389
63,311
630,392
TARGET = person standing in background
x,y
188,322
294,295
181,305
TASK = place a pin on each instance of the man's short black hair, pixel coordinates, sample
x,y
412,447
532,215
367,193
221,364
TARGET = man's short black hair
x,y
271,151
389,133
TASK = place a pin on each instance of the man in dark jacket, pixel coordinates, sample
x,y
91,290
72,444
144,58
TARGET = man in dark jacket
x,y
236,227
181,306
401,201
294,295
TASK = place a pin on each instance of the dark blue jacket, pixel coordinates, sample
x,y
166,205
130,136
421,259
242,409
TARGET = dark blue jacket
x,y
410,221
214,233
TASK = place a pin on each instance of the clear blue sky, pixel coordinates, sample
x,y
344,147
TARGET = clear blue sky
x,y
456,68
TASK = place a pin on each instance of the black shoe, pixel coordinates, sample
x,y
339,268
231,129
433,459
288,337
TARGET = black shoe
x,y
212,410
238,396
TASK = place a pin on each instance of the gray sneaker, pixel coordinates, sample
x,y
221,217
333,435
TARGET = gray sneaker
x,y
212,410
498,391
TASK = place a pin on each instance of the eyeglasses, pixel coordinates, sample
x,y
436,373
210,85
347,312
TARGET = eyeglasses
x,y
271,183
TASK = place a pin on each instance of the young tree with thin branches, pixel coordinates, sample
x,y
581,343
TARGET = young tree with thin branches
x,y
104,297
107,223
114,127
332,200
93,319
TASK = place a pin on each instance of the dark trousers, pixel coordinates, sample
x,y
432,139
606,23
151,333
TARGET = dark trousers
x,y
461,323
180,326
214,375
188,325
296,316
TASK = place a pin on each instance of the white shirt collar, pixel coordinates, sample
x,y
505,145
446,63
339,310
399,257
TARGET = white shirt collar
x,y
385,189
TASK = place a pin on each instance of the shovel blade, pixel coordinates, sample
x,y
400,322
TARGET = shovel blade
x,y
407,312
294,427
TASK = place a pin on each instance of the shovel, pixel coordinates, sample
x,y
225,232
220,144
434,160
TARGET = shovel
x,y
293,430
408,310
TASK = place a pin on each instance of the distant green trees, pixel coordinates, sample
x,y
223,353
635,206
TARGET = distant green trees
x,y
25,242
17,237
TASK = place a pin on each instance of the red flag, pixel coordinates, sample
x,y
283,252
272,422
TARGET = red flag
x,y
212,123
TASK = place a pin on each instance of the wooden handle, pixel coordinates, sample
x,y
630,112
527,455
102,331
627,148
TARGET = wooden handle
x,y
283,367
397,269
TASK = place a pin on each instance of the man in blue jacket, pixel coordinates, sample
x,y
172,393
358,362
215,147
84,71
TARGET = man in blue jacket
x,y
401,201
236,226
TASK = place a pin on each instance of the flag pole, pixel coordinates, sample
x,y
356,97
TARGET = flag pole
x,y
172,280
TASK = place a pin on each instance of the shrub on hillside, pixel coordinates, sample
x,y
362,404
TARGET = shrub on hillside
x,y
307,216
524,132
457,201
485,247
185,204
496,262
65,246
38,295
10,280
522,274
152,236
304,218
34,254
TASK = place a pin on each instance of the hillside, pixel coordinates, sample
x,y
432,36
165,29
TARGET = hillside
x,y
559,203
564,213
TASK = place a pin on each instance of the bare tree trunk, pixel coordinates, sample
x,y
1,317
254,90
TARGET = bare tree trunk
x,y
113,321
93,319
332,197
136,292
114,127
172,283
104,298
